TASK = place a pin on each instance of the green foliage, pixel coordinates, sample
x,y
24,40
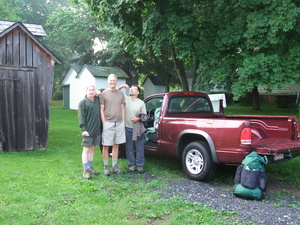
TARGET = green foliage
x,y
58,96
8,11
250,43
153,29
37,11
239,44
72,34
285,101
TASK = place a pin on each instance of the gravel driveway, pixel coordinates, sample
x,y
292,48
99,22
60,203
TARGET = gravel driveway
x,y
275,209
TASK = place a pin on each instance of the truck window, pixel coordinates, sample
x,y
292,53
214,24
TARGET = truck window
x,y
189,104
153,105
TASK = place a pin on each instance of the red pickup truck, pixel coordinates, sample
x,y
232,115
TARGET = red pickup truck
x,y
184,124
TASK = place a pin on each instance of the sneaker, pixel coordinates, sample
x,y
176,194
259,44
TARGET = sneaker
x,y
131,168
140,169
92,171
115,169
86,174
106,170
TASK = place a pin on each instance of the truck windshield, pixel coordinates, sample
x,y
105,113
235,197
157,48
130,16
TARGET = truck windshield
x,y
189,104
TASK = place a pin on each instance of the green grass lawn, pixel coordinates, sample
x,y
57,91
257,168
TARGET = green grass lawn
x,y
266,109
46,187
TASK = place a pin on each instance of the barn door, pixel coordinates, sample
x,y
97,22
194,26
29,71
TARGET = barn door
x,y
15,109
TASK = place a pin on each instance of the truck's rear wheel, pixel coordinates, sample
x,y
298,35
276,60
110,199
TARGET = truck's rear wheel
x,y
197,161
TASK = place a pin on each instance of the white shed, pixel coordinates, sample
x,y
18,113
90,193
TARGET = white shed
x,y
78,77
153,85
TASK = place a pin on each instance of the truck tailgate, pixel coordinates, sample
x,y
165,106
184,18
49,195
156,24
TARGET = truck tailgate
x,y
273,146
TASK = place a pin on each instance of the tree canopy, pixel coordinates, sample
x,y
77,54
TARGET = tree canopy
x,y
251,43
9,10
242,44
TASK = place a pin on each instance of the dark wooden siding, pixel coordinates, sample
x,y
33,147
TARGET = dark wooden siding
x,y
26,80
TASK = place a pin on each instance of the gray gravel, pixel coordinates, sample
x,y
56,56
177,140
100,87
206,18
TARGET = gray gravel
x,y
275,209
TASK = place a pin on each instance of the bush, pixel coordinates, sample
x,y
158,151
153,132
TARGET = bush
x,y
246,100
285,101
57,96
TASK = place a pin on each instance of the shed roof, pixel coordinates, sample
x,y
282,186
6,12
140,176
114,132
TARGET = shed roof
x,y
156,80
104,71
36,40
35,29
76,67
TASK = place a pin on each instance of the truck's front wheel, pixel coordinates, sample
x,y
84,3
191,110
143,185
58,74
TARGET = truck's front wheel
x,y
197,161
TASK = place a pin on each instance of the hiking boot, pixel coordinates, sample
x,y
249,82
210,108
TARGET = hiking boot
x,y
86,174
106,170
140,169
92,171
115,169
131,168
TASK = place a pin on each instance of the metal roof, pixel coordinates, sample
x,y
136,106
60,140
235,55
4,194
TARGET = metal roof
x,y
35,29
33,37
103,71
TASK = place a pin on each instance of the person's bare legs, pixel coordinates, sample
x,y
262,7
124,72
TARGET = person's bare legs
x,y
105,159
115,154
91,153
84,156
105,152
115,151
85,161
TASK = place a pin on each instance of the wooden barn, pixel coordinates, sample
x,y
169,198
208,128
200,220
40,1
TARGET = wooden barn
x,y
26,81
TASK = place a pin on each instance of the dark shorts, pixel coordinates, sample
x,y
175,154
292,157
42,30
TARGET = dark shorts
x,y
89,141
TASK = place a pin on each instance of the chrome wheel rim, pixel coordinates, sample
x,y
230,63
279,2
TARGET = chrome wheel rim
x,y
194,161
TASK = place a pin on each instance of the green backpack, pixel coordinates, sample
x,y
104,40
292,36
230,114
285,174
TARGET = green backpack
x,y
251,178
255,162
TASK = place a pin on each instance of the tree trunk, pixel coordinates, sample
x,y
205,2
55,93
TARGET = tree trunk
x,y
196,66
180,70
255,99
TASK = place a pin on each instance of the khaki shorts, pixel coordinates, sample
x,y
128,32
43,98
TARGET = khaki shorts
x,y
90,141
113,133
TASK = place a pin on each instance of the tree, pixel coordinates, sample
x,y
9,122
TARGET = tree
x,y
72,34
241,44
37,11
163,28
8,11
247,44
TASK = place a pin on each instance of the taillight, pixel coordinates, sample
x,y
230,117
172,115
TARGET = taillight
x,y
246,136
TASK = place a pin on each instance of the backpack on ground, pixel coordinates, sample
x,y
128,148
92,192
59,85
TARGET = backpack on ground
x,y
251,178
